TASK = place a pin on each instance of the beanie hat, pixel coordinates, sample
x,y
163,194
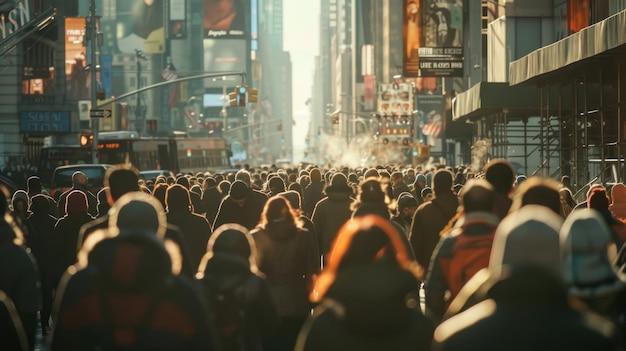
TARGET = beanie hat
x,y
426,191
533,229
420,177
137,212
587,270
76,202
17,196
293,197
339,183
239,190
598,199
372,191
406,200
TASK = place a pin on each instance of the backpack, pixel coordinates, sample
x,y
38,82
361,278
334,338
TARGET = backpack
x,y
470,253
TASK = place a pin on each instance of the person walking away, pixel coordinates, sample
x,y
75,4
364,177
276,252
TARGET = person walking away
x,y
332,211
19,279
287,254
79,182
242,309
462,251
194,228
431,217
367,295
124,292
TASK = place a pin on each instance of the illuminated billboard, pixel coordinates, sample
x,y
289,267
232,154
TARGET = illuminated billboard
x,y
140,26
433,38
226,19
77,85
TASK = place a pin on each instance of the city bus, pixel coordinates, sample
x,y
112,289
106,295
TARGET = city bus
x,y
177,153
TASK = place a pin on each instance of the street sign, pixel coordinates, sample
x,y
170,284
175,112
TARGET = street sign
x,y
100,113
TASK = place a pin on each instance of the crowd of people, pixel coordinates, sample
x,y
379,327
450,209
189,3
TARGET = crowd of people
x,y
314,258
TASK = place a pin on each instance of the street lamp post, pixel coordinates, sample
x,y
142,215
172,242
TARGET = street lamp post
x,y
92,33
139,109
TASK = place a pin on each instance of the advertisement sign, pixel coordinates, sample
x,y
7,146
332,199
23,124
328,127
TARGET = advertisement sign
x,y
226,19
140,26
430,118
395,99
44,122
77,87
222,55
177,26
433,38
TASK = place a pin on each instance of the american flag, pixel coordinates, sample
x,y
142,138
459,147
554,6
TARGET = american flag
x,y
432,128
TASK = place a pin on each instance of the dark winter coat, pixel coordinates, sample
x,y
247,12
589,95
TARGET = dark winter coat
x,y
369,307
92,200
64,246
19,280
329,215
211,198
428,221
531,298
172,233
289,258
241,306
194,229
313,193
247,215
143,305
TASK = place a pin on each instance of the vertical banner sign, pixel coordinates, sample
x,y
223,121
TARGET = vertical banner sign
x,y
177,26
106,74
430,117
76,85
433,38
140,26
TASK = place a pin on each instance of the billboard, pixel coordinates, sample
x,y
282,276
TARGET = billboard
x,y
430,118
395,99
177,26
222,55
140,26
226,19
433,38
77,85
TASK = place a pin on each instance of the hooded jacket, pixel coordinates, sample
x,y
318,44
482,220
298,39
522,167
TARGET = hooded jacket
x,y
194,228
289,258
228,272
524,290
313,193
332,212
126,284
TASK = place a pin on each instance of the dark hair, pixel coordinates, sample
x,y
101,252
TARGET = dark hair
x,y
501,175
277,208
121,179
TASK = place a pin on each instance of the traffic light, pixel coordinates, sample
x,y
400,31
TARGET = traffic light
x,y
85,139
252,95
188,152
242,95
232,98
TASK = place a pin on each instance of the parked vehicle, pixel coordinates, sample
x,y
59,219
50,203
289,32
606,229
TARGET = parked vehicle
x,y
62,177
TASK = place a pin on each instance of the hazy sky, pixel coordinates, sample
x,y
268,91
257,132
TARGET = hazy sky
x,y
301,33
301,39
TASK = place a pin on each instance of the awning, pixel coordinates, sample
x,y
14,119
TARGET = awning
x,y
601,39
484,99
